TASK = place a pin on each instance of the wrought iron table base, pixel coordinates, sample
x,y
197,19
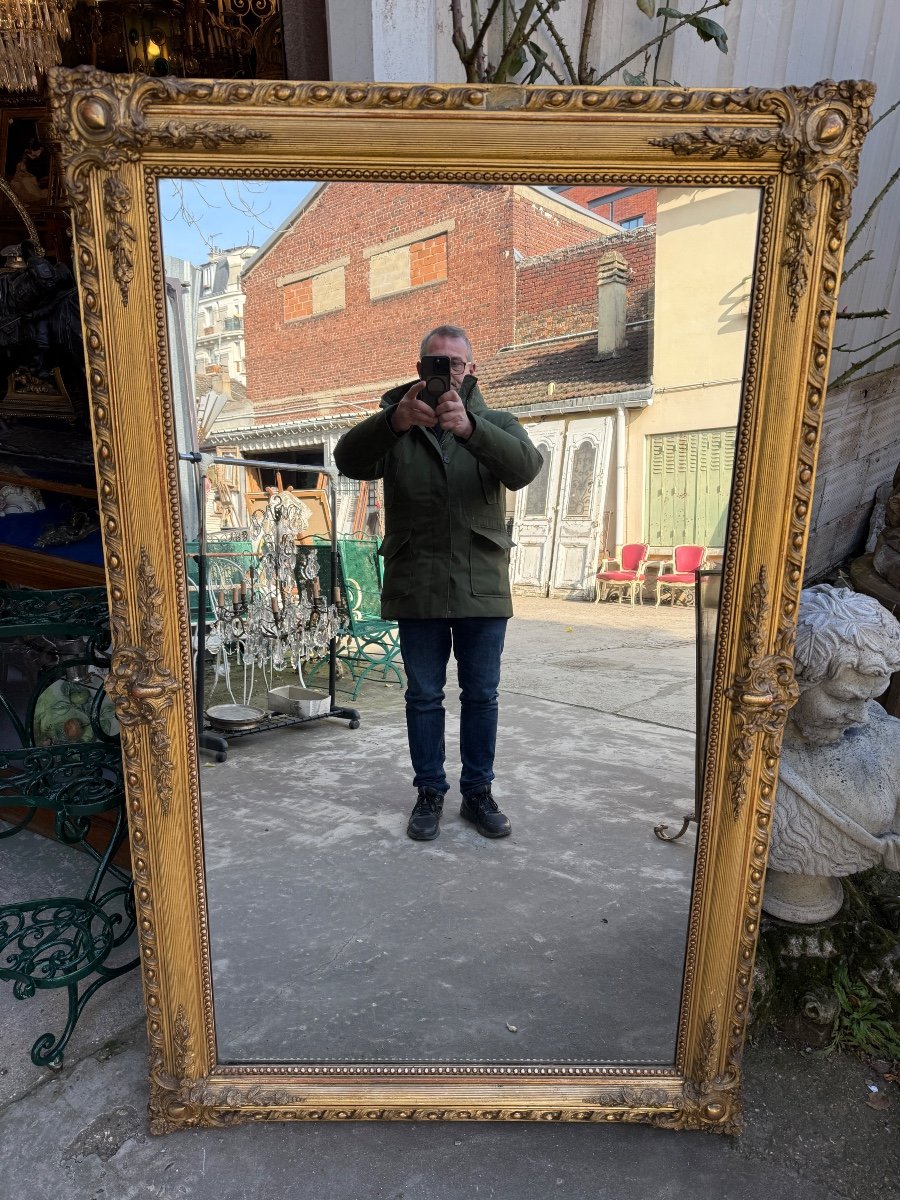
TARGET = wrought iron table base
x,y
60,942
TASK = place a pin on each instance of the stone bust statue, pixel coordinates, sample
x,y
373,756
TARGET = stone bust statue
x,y
837,808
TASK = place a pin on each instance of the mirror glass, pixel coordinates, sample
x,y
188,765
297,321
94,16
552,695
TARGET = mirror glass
x,y
611,322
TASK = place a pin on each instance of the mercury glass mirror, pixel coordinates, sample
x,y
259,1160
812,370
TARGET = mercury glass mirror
x,y
648,279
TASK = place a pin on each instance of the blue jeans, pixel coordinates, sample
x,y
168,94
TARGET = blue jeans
x,y
477,644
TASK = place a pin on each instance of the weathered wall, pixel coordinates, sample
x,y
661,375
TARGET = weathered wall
x,y
556,293
705,245
358,321
638,203
860,450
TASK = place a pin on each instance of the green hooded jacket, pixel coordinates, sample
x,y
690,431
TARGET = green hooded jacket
x,y
446,549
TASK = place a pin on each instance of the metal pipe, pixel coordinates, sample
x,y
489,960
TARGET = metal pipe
x,y
620,479
195,457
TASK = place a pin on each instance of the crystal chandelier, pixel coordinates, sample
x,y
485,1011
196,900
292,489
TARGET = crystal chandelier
x,y
30,33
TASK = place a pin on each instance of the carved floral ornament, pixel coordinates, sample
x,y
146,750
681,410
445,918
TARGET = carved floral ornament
x,y
814,131
140,686
786,143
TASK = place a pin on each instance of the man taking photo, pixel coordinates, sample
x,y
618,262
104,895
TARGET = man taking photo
x,y
446,460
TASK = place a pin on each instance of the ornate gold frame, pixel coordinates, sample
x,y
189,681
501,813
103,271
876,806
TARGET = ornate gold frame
x,y
801,147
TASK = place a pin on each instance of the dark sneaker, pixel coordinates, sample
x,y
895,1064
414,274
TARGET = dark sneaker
x,y
424,821
481,809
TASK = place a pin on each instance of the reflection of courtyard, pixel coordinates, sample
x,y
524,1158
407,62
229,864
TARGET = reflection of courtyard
x,y
334,936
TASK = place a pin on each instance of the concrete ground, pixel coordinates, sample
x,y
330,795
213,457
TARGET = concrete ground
x,y
335,936
82,1133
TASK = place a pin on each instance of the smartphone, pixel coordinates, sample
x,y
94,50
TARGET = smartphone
x,y
435,371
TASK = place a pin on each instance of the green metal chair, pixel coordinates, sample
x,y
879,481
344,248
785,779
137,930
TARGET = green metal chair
x,y
369,644
228,566
68,762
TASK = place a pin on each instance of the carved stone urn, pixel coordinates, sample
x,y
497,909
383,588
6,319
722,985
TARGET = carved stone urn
x,y
837,809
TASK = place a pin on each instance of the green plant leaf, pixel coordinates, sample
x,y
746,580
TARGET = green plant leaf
x,y
518,61
710,31
646,6
670,12
540,57
634,80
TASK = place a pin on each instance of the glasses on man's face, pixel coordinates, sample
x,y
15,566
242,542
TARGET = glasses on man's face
x,y
458,365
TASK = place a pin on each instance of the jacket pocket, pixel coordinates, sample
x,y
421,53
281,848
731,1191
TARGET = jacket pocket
x,y
395,550
489,561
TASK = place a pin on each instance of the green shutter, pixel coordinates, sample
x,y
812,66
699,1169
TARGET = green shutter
x,y
688,487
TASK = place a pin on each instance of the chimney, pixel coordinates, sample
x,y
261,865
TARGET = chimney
x,y
612,274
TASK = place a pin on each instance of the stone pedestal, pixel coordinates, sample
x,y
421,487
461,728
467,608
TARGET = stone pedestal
x,y
805,899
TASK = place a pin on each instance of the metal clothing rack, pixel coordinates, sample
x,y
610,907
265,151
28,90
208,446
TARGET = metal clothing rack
x,y
707,595
217,743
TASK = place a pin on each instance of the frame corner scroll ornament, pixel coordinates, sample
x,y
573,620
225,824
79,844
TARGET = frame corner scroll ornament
x,y
820,135
711,1097
104,119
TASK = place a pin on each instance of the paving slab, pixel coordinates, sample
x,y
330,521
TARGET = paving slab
x,y
83,1136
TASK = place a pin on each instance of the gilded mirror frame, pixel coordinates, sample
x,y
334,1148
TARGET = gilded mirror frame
x,y
119,135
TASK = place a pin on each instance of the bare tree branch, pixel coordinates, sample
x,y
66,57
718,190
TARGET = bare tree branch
x,y
554,33
887,112
485,24
458,37
859,316
478,56
586,30
653,41
845,348
871,209
659,49
516,41
863,362
867,257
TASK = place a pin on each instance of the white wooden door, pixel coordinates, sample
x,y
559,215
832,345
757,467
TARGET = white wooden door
x,y
583,490
535,517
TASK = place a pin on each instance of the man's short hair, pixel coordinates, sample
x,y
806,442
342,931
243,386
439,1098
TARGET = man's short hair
x,y
447,331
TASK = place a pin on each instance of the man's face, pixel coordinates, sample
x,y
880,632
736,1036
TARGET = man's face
x,y
828,709
457,351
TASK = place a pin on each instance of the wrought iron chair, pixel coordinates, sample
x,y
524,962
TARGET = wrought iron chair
x,y
623,576
679,582
229,563
369,644
68,763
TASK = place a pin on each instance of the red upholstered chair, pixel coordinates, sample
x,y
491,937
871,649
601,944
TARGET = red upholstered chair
x,y
623,576
685,562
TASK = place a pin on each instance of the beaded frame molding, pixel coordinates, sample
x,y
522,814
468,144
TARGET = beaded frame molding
x,y
800,147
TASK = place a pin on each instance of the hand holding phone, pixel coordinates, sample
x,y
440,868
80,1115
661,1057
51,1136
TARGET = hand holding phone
x,y
413,410
435,372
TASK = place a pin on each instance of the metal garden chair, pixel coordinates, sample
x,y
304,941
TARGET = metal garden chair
x,y
369,643
68,762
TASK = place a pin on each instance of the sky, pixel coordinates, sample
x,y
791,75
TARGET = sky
x,y
223,212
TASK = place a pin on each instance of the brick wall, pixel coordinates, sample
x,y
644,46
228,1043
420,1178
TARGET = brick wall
x,y
557,293
428,260
462,277
298,300
642,203
859,451
539,229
